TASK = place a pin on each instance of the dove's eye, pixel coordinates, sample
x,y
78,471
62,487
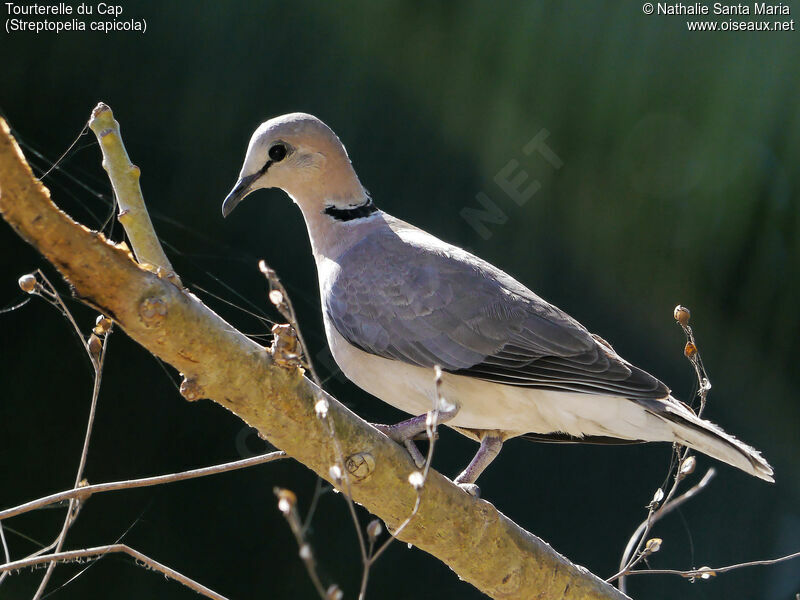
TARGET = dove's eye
x,y
277,153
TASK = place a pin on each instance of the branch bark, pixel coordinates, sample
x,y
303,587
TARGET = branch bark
x,y
124,176
470,535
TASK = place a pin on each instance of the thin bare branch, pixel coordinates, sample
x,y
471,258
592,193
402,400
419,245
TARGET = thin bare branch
x,y
281,300
287,504
708,572
39,552
343,476
5,544
98,360
418,483
431,426
635,550
665,509
283,303
100,551
82,493
314,502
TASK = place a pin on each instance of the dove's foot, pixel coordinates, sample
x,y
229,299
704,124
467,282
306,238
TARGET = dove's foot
x,y
416,428
471,489
491,443
415,453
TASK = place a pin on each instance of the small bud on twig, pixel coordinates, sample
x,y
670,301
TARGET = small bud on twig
x,y
28,283
286,500
334,593
690,350
657,498
706,573
653,545
374,529
682,315
276,297
102,325
687,467
95,345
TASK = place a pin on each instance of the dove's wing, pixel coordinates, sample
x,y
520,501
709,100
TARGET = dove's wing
x,y
404,295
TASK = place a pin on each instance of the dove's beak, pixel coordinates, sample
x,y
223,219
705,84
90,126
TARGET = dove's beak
x,y
238,193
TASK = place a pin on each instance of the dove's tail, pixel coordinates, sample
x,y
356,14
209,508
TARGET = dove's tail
x,y
710,439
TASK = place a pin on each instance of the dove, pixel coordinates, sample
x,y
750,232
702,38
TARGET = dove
x,y
399,303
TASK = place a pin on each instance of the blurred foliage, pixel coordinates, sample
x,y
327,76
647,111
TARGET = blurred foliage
x,y
679,184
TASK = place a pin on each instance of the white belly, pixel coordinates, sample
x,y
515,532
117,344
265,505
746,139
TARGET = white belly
x,y
486,405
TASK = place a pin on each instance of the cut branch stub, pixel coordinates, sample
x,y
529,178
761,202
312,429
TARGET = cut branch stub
x,y
285,349
360,465
191,389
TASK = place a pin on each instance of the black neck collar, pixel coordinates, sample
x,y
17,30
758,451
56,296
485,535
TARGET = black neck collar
x,y
348,214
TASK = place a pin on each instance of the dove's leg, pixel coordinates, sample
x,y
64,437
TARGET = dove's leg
x,y
407,431
491,443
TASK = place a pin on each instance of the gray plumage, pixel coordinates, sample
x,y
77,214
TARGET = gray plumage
x,y
398,301
404,295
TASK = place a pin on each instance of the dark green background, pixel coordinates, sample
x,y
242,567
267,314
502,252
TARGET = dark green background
x,y
679,184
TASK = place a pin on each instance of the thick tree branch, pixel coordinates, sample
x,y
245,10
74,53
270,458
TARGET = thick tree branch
x,y
479,543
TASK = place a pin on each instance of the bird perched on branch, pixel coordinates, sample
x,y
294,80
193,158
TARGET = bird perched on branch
x,y
397,302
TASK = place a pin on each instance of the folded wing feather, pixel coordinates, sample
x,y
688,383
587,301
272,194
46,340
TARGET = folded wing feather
x,y
405,295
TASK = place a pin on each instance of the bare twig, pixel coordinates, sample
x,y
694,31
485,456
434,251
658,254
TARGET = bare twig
x,y
340,473
287,504
287,501
100,551
124,178
692,352
38,284
283,303
5,544
82,493
281,300
97,359
708,572
635,550
665,509
314,502
38,552
416,479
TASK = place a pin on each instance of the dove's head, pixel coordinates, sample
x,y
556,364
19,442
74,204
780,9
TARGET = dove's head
x,y
299,154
